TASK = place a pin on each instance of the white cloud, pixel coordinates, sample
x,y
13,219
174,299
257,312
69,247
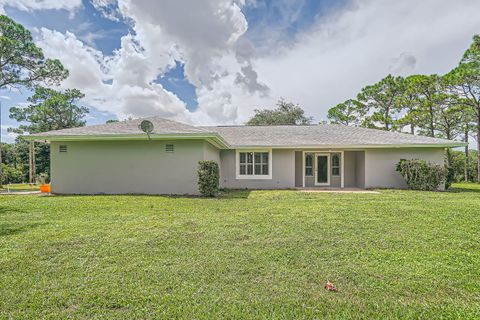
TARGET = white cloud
x,y
403,64
358,46
29,5
207,42
108,9
120,84
324,65
7,136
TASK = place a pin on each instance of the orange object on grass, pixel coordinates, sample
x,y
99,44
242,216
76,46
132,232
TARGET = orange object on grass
x,y
45,188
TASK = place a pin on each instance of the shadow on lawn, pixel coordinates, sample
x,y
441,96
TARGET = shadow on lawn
x,y
10,229
6,210
234,194
223,194
466,188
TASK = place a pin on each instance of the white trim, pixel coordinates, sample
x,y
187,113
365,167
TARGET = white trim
x,y
338,154
254,176
213,138
342,169
305,165
328,169
355,146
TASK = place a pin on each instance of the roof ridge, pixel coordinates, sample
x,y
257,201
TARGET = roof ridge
x,y
130,125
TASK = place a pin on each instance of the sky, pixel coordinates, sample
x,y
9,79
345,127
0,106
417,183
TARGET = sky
x,y
215,61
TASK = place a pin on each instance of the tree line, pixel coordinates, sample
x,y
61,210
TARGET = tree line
x,y
23,65
443,106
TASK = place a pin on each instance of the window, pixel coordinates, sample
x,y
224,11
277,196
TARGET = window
x,y
62,148
254,165
169,148
309,165
335,165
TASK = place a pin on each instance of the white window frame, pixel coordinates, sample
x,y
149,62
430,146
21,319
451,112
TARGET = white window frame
x,y
312,166
339,167
253,176
327,155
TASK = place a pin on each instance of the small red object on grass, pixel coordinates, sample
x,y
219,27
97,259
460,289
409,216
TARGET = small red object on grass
x,y
330,286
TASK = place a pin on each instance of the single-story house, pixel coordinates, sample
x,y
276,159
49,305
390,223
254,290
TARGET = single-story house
x,y
119,158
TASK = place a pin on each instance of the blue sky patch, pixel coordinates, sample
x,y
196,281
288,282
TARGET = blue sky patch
x,y
174,80
87,24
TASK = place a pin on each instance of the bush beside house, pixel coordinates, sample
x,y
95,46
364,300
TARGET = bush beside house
x,y
208,178
423,175
11,174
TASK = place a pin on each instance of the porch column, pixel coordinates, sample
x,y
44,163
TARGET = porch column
x,y
31,162
303,169
342,169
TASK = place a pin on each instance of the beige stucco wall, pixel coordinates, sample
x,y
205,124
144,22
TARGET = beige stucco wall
x,y
360,169
118,167
380,164
210,152
349,169
299,169
283,172
143,167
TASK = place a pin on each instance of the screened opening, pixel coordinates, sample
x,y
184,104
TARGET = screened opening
x,y
62,148
169,148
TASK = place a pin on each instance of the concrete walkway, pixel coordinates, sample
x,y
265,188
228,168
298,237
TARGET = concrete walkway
x,y
19,192
338,190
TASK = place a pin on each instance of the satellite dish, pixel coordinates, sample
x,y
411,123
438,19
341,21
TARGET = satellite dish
x,y
147,127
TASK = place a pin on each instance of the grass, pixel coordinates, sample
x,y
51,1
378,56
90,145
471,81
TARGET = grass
x,y
19,187
259,254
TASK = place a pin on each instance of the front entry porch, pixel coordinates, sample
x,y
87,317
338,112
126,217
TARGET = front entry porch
x,y
321,169
336,190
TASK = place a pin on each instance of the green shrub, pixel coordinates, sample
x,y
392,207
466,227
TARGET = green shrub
x,y
422,175
450,178
457,162
10,174
208,178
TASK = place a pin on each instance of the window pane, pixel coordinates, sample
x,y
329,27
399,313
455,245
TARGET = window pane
x,y
335,161
309,171
265,157
258,169
308,160
336,171
249,157
242,157
257,157
242,169
265,169
249,169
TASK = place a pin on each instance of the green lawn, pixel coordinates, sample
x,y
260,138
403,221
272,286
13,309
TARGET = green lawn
x,y
259,254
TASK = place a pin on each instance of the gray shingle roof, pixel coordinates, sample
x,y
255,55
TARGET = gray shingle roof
x,y
127,127
319,135
328,135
